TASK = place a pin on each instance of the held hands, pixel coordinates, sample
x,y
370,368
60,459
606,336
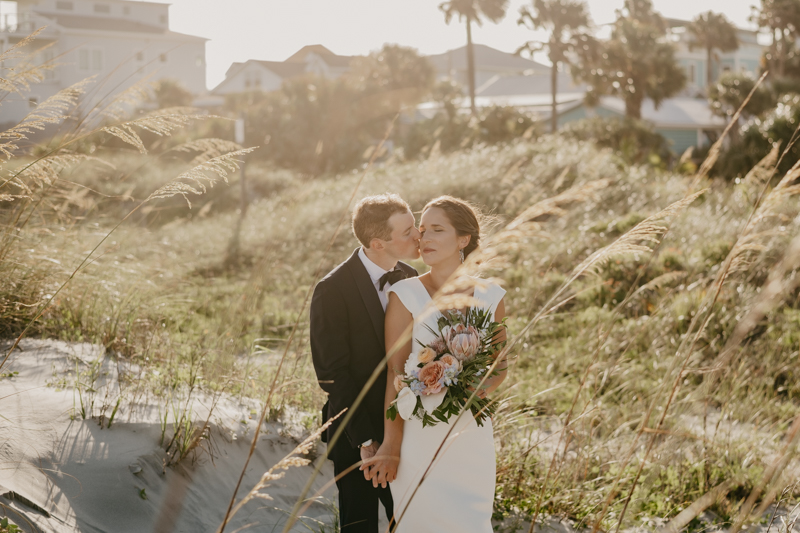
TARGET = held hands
x,y
381,467
368,452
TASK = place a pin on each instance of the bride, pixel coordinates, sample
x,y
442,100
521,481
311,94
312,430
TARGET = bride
x,y
442,477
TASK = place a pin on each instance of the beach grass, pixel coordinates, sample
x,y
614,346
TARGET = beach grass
x,y
625,403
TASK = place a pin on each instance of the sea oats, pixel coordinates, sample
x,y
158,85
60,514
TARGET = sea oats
x,y
201,176
51,111
162,122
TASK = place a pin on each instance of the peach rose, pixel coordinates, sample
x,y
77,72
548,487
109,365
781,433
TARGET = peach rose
x,y
426,355
450,361
399,384
431,376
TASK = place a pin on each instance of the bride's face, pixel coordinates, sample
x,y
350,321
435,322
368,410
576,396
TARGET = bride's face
x,y
439,242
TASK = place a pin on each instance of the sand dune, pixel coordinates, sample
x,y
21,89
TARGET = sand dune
x,y
61,473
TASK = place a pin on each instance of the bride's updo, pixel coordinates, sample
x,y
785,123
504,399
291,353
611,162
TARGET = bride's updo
x,y
463,216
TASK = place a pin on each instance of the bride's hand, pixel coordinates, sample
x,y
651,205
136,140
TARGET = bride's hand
x,y
382,468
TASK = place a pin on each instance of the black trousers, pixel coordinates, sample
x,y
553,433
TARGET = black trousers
x,y
358,499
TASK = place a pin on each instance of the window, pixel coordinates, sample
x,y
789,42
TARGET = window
x,y
102,8
90,59
97,60
83,59
162,58
64,6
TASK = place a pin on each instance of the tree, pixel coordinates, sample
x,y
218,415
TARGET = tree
x,y
635,63
567,22
171,93
473,11
713,31
782,19
727,95
399,75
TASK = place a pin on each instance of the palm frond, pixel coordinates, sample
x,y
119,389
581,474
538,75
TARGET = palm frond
x,y
201,177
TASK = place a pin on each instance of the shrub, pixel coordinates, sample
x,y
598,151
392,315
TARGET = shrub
x,y
455,131
760,134
635,140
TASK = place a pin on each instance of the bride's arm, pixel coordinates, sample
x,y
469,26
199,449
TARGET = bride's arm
x,y
399,322
502,365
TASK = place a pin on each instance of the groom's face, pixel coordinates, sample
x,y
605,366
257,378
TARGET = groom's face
x,y
404,243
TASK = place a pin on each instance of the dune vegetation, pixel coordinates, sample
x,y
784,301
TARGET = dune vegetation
x,y
653,314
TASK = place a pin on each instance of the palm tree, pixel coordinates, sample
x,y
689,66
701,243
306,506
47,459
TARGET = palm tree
x,y
473,11
713,31
635,63
567,21
782,19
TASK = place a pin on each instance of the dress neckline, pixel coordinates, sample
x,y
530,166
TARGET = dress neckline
x,y
475,291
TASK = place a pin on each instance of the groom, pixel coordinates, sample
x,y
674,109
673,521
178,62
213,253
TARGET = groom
x,y
347,312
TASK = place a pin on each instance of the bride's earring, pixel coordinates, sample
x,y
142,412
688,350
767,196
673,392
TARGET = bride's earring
x,y
461,253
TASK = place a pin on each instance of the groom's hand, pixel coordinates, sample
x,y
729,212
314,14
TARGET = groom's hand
x,y
382,468
367,453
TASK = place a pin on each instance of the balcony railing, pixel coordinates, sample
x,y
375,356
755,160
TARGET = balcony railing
x,y
22,23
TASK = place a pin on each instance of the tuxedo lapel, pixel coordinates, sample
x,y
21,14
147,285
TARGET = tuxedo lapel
x,y
368,294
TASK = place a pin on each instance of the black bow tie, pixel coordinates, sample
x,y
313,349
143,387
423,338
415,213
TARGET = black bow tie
x,y
391,277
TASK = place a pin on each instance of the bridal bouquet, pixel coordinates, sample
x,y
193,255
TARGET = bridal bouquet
x,y
441,377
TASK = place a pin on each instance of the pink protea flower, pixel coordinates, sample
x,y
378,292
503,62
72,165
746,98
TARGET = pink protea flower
x,y
462,341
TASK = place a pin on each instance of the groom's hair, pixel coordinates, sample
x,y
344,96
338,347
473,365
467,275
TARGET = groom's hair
x,y
371,217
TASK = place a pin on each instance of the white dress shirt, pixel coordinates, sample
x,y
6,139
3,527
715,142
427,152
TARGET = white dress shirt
x,y
375,272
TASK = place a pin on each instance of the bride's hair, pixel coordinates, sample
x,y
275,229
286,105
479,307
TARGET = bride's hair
x,y
464,217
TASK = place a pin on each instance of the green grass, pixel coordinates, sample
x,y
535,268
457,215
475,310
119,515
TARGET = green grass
x,y
162,293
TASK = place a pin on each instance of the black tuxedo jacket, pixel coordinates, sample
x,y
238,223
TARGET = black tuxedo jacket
x,y
347,343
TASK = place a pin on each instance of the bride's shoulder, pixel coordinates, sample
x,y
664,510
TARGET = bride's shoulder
x,y
404,286
491,291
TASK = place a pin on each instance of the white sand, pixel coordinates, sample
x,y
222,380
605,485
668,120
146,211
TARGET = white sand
x,y
71,475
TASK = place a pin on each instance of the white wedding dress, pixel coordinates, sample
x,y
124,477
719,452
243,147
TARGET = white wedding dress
x,y
457,491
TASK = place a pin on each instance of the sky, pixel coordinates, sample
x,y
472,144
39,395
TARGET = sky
x,y
274,29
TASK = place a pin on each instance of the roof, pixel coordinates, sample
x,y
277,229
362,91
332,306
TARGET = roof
x,y
486,58
103,24
528,85
673,113
282,68
329,57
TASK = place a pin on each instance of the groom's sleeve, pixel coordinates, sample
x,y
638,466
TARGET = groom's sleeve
x,y
330,351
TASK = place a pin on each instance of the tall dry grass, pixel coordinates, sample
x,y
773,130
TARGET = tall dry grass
x,y
653,362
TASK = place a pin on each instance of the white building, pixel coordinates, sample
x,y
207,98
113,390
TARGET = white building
x,y
119,42
693,59
255,75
